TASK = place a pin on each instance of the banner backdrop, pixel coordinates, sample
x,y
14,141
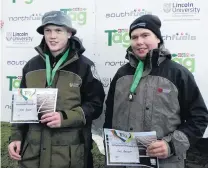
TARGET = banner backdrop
x,y
1,54
103,28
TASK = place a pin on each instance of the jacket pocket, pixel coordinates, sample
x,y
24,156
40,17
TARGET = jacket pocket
x,y
77,156
67,148
24,147
60,156
31,147
30,157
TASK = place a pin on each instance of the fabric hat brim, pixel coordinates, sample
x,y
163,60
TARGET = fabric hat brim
x,y
40,29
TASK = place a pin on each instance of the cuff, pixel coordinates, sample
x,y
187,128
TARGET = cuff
x,y
15,137
72,118
177,142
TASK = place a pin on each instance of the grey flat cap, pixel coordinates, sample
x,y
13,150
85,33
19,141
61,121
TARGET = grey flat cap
x,y
56,18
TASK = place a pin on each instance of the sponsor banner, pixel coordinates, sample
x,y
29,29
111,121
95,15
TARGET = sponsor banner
x,y
181,11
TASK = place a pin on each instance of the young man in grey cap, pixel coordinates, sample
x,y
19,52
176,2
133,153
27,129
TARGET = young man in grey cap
x,y
153,93
63,138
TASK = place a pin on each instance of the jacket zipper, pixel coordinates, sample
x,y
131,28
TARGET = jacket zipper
x,y
144,105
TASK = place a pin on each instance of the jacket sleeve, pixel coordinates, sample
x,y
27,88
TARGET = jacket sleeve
x,y
110,103
194,112
92,98
18,131
194,115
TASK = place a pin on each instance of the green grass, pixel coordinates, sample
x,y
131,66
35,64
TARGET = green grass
x,y
194,157
6,162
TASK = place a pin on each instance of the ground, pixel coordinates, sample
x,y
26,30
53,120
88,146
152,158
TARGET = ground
x,y
6,162
195,158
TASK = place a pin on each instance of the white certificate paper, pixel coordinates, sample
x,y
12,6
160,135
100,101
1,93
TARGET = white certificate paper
x,y
129,148
28,102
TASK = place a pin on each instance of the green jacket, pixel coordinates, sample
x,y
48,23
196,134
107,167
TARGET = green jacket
x,y
80,100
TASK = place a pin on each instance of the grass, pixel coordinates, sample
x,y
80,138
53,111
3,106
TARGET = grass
x,y
6,162
194,157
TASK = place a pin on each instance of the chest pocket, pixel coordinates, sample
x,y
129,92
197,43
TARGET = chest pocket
x,y
68,85
165,105
36,79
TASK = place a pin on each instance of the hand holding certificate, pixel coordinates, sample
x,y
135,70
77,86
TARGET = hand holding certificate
x,y
129,148
27,103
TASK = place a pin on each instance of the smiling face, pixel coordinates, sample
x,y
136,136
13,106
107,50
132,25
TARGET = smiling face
x,y
56,38
142,41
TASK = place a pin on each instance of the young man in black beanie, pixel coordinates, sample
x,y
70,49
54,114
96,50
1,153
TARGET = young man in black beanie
x,y
153,93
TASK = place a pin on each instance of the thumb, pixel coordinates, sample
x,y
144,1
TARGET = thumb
x,y
18,144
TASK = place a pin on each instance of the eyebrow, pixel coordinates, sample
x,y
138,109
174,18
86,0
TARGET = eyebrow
x,y
145,33
141,34
52,29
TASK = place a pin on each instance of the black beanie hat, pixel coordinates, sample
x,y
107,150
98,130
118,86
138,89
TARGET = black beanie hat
x,y
151,22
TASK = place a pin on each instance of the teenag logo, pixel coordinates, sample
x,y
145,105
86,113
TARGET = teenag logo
x,y
185,59
78,15
119,36
14,82
134,13
26,94
179,36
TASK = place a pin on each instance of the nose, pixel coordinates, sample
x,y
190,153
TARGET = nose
x,y
140,40
53,34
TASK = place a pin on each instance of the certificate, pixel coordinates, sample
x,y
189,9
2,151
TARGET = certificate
x,y
28,102
129,148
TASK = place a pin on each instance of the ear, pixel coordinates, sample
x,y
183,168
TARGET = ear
x,y
158,40
69,34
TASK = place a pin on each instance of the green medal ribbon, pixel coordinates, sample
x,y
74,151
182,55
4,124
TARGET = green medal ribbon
x,y
136,79
50,74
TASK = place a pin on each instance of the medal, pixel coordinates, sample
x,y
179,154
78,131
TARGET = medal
x,y
136,79
50,74
130,97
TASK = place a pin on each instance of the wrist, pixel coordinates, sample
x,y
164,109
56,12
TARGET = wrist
x,y
171,148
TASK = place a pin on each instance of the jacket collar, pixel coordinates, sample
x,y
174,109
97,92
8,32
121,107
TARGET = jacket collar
x,y
154,57
76,50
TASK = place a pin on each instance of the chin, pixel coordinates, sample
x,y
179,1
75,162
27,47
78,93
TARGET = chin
x,y
54,49
142,57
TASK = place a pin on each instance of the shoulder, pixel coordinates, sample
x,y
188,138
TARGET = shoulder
x,y
176,73
178,68
33,63
86,61
90,66
126,69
